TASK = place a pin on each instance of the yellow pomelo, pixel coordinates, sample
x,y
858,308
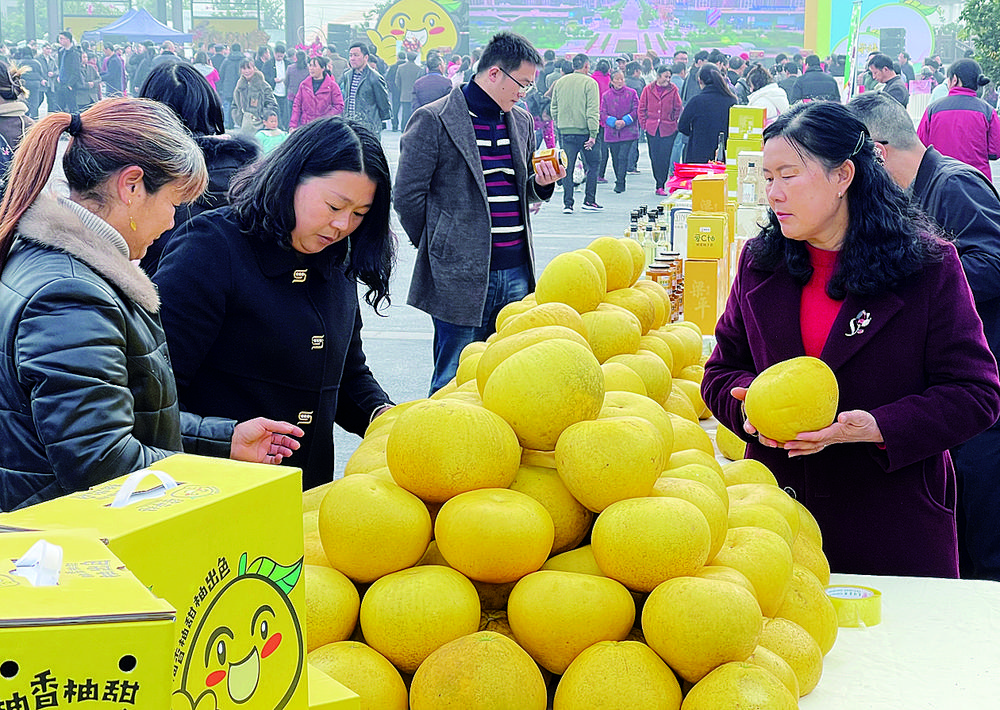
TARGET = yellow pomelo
x,y
502,348
661,309
310,522
388,418
807,604
764,558
638,256
696,624
543,389
693,391
449,387
637,301
544,314
476,346
643,541
384,473
407,615
622,378
808,525
494,535
464,396
369,455
570,518
481,671
677,347
702,474
708,502
612,332
370,528
659,346
467,368
580,560
725,574
748,471
555,615
602,271
740,685
438,449
776,666
690,324
618,674
607,460
692,341
512,309
797,648
730,445
768,494
629,404
791,397
758,515
571,279
312,498
651,288
806,552
363,670
653,371
617,260
534,457
313,552
690,435
695,373
683,457
678,403
332,604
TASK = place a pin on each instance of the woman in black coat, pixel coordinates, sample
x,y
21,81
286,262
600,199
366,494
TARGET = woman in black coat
x,y
260,298
706,115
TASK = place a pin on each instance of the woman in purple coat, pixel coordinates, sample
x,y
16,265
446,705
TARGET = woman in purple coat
x,y
848,272
620,118
318,95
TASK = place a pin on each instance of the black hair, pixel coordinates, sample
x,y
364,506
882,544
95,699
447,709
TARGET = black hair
x,y
244,63
182,87
791,68
263,195
709,75
603,66
758,77
888,239
580,61
969,73
200,58
882,61
549,55
300,59
360,45
235,48
508,51
67,34
701,56
323,63
632,67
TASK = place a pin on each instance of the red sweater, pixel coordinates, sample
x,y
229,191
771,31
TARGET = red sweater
x,y
818,311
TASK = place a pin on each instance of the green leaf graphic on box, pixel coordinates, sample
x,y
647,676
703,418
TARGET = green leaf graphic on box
x,y
285,577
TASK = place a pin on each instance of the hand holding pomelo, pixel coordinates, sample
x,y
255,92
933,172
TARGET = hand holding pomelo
x,y
791,397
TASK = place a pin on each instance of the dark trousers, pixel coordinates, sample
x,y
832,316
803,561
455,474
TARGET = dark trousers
x,y
407,108
395,106
660,149
284,111
66,98
633,156
976,468
619,151
601,148
572,143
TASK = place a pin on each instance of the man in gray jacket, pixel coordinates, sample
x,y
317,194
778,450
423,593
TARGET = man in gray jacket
x,y
463,187
406,77
366,98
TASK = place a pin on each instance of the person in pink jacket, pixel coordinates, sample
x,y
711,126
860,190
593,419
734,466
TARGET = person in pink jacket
x,y
318,95
961,125
659,109
619,116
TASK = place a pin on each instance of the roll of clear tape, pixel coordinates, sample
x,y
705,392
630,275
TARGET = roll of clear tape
x,y
856,606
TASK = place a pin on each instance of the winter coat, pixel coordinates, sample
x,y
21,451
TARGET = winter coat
x,y
294,79
704,117
659,109
771,97
406,76
256,329
229,75
371,105
964,127
918,363
430,87
896,88
814,84
86,389
251,101
114,75
70,63
576,105
309,106
14,121
620,104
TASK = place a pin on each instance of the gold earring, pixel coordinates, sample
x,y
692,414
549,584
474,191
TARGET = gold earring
x,y
131,223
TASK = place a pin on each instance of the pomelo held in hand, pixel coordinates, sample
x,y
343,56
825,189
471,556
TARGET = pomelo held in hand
x,y
791,397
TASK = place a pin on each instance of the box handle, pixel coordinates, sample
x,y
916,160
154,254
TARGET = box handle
x,y
126,494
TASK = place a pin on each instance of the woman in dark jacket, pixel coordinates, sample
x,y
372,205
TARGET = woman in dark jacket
x,y
706,116
297,73
184,89
86,389
260,299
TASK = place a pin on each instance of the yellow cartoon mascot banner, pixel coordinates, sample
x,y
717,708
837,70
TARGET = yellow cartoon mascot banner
x,y
420,26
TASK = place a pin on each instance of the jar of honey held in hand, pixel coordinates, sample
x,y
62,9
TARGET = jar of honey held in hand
x,y
553,157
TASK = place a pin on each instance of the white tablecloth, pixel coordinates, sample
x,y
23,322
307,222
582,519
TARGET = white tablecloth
x,y
938,647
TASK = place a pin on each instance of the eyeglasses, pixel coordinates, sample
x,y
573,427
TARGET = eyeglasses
x,y
522,88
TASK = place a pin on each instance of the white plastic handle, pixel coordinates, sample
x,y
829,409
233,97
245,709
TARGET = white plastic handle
x,y
126,494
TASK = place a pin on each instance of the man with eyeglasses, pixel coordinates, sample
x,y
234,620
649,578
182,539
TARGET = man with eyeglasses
x,y
463,186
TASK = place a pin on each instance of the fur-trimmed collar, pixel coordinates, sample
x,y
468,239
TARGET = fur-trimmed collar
x,y
51,222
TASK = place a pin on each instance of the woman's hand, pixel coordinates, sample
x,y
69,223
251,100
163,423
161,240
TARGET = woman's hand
x,y
855,426
263,440
740,393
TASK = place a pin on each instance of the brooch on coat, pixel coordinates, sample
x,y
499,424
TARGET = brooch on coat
x,y
859,323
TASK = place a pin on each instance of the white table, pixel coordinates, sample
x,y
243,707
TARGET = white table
x,y
938,647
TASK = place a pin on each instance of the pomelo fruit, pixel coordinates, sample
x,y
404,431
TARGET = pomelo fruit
x,y
544,314
758,515
702,474
690,435
740,685
683,457
630,404
571,279
730,445
638,256
570,518
502,348
611,675
653,371
612,332
363,670
747,471
776,666
658,346
332,604
807,604
708,502
617,261
602,271
764,558
809,554
797,648
791,397
580,560
637,301
768,494
369,455
622,378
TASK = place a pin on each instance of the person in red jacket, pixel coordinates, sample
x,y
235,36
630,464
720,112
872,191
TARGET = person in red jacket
x,y
318,95
659,108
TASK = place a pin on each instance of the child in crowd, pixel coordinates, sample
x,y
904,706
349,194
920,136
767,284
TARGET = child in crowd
x,y
270,136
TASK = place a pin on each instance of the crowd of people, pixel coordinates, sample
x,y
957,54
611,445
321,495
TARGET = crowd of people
x,y
223,205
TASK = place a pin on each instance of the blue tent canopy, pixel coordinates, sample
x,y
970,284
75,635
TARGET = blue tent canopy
x,y
136,26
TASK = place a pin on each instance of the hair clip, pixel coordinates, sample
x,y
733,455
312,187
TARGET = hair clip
x,y
861,142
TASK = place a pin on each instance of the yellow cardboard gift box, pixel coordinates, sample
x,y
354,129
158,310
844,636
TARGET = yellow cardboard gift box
x,y
91,635
327,694
221,541
706,288
707,235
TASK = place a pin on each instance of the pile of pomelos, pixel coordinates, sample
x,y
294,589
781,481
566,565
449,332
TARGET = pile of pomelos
x,y
553,526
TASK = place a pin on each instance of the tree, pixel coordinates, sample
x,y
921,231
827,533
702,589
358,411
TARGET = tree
x,y
982,26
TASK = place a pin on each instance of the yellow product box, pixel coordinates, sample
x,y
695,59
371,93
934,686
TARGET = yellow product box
x,y
327,694
731,207
706,288
732,183
746,120
221,541
77,628
736,146
708,193
707,235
